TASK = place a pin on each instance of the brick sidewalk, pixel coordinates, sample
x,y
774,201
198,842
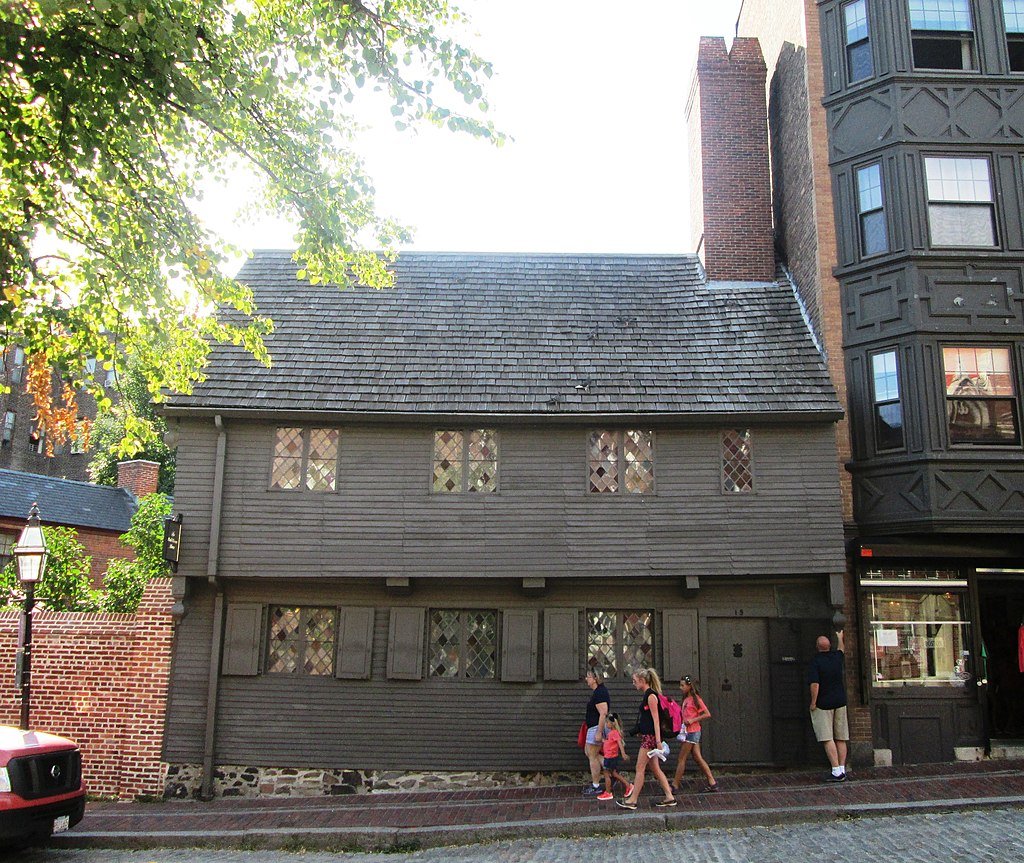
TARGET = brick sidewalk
x,y
403,820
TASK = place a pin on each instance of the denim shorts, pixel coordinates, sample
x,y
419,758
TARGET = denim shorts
x,y
592,736
688,737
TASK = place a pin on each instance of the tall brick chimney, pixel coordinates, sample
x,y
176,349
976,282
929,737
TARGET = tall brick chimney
x,y
138,476
730,179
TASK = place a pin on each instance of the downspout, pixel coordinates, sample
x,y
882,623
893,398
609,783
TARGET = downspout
x,y
213,686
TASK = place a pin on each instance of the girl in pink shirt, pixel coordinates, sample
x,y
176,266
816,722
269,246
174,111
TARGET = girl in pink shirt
x,y
613,750
694,710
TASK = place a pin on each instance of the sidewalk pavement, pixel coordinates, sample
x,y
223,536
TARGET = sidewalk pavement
x,y
405,821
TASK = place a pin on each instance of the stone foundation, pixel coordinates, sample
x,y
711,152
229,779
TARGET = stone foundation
x,y
232,780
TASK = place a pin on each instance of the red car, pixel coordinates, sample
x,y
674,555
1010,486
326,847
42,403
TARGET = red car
x,y
41,788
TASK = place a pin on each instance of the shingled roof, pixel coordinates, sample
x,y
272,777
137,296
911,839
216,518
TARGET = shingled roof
x,y
523,335
66,501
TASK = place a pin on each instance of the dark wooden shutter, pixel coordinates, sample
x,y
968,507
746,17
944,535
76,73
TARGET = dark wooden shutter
x,y
243,638
679,643
519,646
355,643
405,644
561,644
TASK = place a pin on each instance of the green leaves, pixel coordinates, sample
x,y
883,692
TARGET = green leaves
x,y
114,112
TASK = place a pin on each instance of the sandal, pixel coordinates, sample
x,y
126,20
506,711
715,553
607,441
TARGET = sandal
x,y
709,789
670,802
625,804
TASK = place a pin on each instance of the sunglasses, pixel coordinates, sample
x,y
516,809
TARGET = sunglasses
x,y
686,680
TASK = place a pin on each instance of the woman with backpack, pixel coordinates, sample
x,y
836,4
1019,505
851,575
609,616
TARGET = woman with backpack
x,y
694,710
649,724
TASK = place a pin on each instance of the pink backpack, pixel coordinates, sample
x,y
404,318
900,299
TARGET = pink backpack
x,y
671,714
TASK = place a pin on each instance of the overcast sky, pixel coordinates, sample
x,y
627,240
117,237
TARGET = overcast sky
x,y
593,93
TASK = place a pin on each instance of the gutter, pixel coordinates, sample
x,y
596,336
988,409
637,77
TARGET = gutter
x,y
217,647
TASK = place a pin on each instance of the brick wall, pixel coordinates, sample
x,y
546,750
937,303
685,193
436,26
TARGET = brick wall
x,y
733,179
102,680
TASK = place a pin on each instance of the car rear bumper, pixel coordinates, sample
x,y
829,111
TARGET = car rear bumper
x,y
36,818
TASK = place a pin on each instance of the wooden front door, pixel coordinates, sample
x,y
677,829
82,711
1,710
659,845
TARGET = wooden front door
x,y
737,691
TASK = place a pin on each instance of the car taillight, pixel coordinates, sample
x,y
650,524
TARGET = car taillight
x,y
5,780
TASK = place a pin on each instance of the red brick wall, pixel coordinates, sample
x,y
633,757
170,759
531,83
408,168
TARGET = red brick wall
x,y
102,680
139,476
101,545
735,182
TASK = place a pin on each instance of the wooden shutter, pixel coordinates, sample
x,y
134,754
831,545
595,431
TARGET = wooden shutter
x,y
355,643
519,646
243,638
405,644
679,642
561,644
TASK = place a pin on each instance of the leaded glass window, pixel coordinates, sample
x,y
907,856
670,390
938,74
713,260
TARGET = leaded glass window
x,y
305,458
960,202
981,404
737,461
465,461
301,640
463,644
619,642
621,461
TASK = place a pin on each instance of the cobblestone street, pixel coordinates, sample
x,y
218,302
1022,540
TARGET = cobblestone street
x,y
995,835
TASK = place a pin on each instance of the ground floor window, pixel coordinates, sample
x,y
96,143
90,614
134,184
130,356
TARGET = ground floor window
x,y
301,640
619,642
918,632
463,643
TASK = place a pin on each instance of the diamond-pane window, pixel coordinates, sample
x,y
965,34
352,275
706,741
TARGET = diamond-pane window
x,y
619,641
638,449
465,460
287,469
305,458
463,644
737,461
301,641
620,461
323,459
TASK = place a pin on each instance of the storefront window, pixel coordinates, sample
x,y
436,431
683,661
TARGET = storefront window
x,y
917,637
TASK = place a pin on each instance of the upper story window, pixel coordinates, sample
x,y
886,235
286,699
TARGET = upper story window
x,y
620,641
621,461
874,238
859,63
960,203
885,395
737,461
980,402
301,640
80,439
16,363
942,32
1013,15
37,440
7,432
465,461
305,458
463,644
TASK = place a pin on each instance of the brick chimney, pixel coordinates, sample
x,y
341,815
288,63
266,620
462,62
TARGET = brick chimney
x,y
730,179
138,476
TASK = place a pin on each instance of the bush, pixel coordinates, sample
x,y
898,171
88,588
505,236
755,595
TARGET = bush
x,y
125,580
65,585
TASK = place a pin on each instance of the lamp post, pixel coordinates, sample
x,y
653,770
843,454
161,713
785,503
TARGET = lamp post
x,y
30,554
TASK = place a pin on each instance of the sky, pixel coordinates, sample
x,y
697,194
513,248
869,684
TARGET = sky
x,y
593,94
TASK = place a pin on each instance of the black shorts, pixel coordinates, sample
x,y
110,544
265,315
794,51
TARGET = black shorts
x,y
611,763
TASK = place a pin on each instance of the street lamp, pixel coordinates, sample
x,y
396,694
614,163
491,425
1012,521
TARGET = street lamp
x,y
30,554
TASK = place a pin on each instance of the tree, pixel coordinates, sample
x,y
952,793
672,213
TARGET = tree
x,y
114,112
65,585
126,580
110,432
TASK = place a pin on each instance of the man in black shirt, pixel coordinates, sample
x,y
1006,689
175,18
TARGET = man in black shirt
x,y
826,677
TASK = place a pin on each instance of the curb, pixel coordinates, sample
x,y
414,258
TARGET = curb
x,y
413,838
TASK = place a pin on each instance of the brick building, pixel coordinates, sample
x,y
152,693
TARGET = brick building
x,y
23,441
99,513
898,186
